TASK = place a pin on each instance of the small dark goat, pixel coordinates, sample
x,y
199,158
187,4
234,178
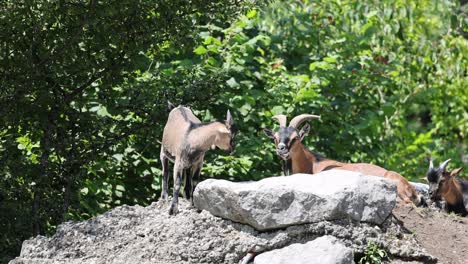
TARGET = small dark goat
x,y
185,141
299,159
444,185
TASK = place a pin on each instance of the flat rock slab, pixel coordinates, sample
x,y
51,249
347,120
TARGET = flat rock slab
x,y
323,250
278,202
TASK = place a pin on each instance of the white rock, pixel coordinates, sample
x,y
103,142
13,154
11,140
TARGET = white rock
x,y
278,202
323,250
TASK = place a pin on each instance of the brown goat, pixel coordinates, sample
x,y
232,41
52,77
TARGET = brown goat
x,y
185,141
444,185
289,147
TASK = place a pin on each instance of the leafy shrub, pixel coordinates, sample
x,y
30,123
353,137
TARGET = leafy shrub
x,y
373,254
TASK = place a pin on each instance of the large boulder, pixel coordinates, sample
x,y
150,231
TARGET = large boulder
x,y
278,202
323,250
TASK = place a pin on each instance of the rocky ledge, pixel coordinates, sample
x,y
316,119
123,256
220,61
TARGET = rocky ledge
x,y
135,234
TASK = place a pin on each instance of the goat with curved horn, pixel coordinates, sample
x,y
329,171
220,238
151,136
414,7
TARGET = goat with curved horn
x,y
444,185
287,136
299,159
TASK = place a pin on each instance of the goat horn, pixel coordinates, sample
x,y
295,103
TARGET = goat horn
x,y
444,164
431,164
296,121
170,106
281,119
229,118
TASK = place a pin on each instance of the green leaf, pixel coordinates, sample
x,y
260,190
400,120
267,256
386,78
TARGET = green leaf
x,y
21,146
306,94
103,112
232,83
330,59
118,157
200,50
277,110
84,191
207,41
252,13
321,65
394,73
212,61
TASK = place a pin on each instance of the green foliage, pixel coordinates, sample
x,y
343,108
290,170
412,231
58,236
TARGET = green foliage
x,y
388,80
85,85
78,125
373,254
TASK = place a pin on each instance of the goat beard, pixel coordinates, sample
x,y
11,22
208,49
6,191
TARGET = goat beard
x,y
284,156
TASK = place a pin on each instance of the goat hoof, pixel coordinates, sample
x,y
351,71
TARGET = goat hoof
x,y
173,210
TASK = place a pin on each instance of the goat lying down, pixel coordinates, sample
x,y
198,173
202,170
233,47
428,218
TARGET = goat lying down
x,y
444,185
185,141
299,159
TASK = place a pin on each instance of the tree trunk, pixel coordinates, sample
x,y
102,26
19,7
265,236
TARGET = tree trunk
x,y
42,175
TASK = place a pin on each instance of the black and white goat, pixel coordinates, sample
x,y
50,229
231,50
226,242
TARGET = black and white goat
x,y
185,141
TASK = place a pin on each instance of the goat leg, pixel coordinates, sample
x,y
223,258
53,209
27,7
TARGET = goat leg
x,y
188,183
165,175
286,164
248,258
250,255
195,178
178,171
284,167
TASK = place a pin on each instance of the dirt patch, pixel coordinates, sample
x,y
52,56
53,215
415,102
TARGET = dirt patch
x,y
444,236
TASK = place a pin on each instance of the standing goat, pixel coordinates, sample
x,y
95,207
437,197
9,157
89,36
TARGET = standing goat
x,y
445,185
185,141
289,147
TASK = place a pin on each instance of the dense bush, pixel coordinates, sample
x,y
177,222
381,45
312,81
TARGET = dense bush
x,y
387,78
85,85
77,132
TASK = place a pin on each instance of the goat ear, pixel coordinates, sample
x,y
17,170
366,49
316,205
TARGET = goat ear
x,y
456,172
424,179
304,131
229,119
269,133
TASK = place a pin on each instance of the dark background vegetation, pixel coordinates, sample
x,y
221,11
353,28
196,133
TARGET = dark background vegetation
x,y
84,85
